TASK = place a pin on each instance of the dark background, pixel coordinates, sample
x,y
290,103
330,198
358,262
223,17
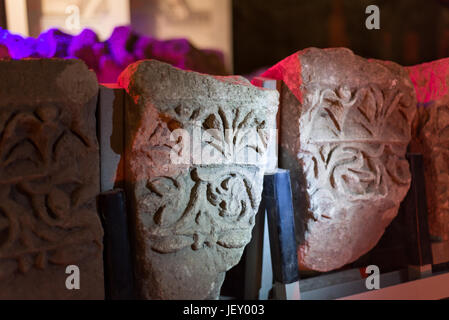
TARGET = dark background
x,y
266,31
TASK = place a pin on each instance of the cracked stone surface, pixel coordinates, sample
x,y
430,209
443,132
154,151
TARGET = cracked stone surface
x,y
345,127
192,219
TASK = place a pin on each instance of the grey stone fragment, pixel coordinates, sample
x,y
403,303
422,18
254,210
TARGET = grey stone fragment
x,y
192,219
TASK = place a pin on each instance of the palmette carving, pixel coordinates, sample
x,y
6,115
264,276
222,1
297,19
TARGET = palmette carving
x,y
197,144
180,221
232,199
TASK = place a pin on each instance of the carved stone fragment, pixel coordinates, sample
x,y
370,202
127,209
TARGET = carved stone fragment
x,y
193,215
345,127
49,178
431,138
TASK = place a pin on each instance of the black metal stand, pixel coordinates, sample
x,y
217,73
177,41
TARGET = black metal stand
x,y
118,268
277,198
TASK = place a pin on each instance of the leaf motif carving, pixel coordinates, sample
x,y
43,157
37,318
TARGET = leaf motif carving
x,y
231,204
232,133
45,201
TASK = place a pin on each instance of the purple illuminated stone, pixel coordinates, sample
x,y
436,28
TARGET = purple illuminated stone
x,y
54,43
108,70
82,47
172,51
100,49
3,34
112,56
120,45
143,48
18,47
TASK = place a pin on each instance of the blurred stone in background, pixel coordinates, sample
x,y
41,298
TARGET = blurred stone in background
x,y
109,58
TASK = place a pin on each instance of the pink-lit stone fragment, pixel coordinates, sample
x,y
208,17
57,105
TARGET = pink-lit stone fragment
x,y
345,125
431,138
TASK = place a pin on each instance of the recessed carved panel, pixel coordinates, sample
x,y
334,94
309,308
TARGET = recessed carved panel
x,y
49,178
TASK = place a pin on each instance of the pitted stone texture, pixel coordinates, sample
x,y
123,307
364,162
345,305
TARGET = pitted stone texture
x,y
49,179
345,127
192,220
431,138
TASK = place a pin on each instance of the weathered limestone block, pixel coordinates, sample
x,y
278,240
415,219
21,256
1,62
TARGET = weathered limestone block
x,y
431,138
192,216
345,126
49,178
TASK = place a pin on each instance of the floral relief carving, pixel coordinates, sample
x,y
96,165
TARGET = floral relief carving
x,y
180,216
230,207
44,204
357,164
344,131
